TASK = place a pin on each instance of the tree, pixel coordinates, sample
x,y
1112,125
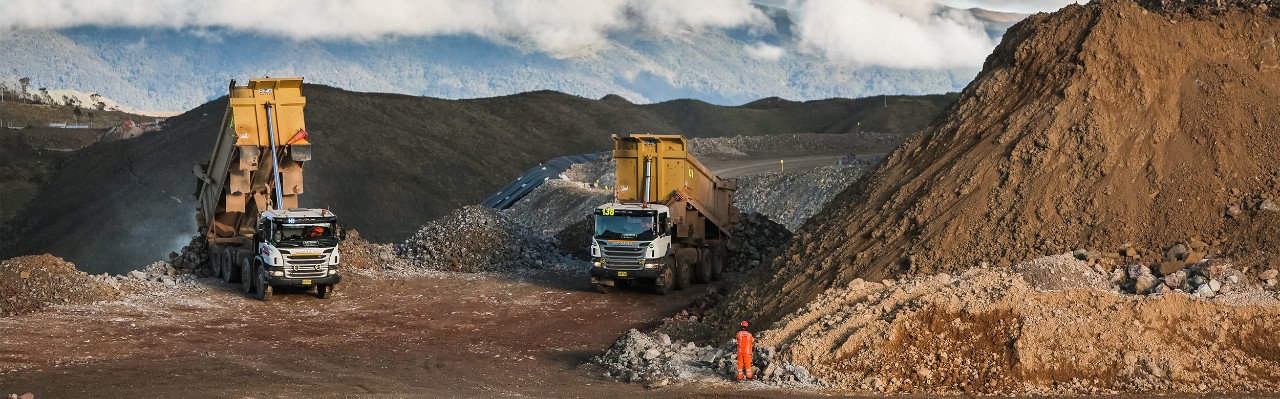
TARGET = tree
x,y
24,82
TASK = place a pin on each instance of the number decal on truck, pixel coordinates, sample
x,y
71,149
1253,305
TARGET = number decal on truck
x,y
607,211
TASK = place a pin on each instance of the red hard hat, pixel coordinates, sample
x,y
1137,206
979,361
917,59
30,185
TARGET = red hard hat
x,y
744,323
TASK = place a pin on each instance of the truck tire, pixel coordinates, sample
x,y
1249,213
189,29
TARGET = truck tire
x,y
683,275
324,291
601,288
664,283
702,270
718,256
230,266
261,289
246,276
215,261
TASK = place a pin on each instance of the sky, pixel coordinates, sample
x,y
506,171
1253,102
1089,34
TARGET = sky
x,y
887,33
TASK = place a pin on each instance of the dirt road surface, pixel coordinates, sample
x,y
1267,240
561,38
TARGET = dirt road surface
x,y
451,335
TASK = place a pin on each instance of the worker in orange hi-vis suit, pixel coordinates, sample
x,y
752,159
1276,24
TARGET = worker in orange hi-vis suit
x,y
745,342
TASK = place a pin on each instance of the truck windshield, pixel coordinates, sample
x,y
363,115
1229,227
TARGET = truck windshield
x,y
304,235
637,227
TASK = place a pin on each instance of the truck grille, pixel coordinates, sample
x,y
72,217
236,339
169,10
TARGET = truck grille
x,y
623,258
307,259
316,272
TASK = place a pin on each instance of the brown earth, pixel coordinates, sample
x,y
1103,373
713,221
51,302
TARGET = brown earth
x,y
996,331
444,335
31,283
384,163
1086,129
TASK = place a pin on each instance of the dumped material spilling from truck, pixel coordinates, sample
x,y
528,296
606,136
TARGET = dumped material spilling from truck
x,y
670,220
248,195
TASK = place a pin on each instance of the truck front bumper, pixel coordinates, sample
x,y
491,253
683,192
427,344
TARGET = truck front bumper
x,y
600,272
304,282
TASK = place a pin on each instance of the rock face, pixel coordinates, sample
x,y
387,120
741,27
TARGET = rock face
x,y
1096,126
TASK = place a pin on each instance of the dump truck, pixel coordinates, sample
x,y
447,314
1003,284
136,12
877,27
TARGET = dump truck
x,y
670,221
247,196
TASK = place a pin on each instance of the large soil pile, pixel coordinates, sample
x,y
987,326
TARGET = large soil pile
x,y
1104,126
30,283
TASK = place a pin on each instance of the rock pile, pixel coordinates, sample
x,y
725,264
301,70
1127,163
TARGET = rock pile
x,y
791,198
480,239
804,143
30,283
759,237
575,239
656,360
556,204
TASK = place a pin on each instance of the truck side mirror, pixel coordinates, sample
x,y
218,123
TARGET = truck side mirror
x,y
342,233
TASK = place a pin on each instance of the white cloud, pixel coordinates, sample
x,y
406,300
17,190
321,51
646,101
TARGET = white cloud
x,y
550,25
891,33
765,51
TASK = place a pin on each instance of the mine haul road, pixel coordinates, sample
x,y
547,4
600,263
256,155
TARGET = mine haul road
x,y
442,335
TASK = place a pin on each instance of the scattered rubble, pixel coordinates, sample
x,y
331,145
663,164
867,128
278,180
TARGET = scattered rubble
x,y
480,239
656,360
30,283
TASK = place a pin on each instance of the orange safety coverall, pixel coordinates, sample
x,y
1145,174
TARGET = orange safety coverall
x,y
745,342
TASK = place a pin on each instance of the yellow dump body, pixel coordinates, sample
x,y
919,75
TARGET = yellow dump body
x,y
237,184
675,178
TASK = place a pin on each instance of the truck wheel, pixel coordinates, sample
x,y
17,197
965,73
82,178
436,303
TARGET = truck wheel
x,y
215,261
246,276
702,270
601,288
261,289
324,291
230,264
665,282
683,275
717,263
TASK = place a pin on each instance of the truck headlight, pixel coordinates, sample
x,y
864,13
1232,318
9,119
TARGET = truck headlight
x,y
278,273
333,271
652,265
597,263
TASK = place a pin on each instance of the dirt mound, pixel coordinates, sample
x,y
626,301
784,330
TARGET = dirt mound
x,y
992,331
1085,129
29,283
479,239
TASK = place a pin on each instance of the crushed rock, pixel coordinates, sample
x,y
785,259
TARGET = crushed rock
x,y
477,239
790,198
656,360
31,283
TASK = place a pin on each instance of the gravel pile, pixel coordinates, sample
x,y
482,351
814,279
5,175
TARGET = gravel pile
x,y
30,283
791,198
599,173
480,239
656,360
575,239
804,143
556,204
760,238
